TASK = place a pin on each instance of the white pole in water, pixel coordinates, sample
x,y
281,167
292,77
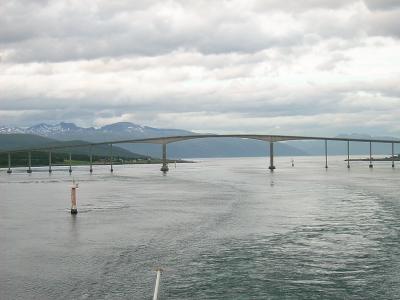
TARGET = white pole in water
x,y
74,186
155,297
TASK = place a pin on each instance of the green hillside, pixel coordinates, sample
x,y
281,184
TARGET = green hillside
x,y
16,141
26,141
79,155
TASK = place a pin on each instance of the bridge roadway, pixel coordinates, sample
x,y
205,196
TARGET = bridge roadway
x,y
172,139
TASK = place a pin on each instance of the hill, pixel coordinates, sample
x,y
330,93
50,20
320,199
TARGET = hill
x,y
221,147
23,141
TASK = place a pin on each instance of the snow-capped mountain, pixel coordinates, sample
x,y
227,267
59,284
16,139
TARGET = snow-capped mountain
x,y
126,130
41,129
49,130
68,131
11,130
140,130
123,126
192,148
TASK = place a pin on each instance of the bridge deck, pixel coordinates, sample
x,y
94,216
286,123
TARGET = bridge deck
x,y
173,139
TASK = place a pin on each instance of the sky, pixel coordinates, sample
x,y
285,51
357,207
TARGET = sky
x,y
253,66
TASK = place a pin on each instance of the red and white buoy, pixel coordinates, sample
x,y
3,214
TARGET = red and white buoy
x,y
74,209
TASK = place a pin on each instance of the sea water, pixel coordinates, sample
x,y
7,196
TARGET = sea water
x,y
219,228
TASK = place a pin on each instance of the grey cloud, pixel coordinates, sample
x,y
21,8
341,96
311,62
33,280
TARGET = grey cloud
x,y
80,38
200,64
50,31
385,23
382,4
300,6
279,102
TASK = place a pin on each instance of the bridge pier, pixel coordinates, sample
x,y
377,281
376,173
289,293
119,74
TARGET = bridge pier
x,y
326,154
111,158
29,163
348,154
164,167
370,155
392,155
271,156
9,171
91,160
70,163
50,162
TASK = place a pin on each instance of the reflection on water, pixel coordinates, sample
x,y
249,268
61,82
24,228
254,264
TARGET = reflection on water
x,y
220,228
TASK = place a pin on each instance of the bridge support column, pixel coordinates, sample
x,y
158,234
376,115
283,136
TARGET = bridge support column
x,y
392,155
29,163
326,154
348,154
50,162
70,163
271,156
111,158
370,155
9,171
164,167
91,160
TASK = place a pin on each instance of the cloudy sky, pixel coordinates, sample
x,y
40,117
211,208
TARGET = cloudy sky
x,y
262,66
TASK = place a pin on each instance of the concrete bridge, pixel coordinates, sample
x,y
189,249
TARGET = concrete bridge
x,y
164,141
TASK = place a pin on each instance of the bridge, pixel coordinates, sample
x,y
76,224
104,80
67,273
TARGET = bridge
x,y
164,141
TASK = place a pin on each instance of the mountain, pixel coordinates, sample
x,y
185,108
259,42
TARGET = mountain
x,y
22,141
68,131
11,130
209,147
221,147
139,130
49,130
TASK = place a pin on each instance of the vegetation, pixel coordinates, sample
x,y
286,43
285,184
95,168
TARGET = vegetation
x,y
388,158
29,141
79,155
41,158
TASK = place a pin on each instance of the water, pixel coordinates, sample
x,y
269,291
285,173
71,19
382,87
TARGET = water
x,y
220,228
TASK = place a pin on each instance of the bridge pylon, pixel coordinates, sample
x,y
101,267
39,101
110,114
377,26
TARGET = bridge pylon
x,y
164,167
271,156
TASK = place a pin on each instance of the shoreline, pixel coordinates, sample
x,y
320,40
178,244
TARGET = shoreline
x,y
374,159
114,163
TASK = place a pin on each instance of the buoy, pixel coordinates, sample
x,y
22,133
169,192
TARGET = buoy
x,y
74,209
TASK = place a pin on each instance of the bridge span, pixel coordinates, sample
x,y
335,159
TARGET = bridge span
x,y
165,140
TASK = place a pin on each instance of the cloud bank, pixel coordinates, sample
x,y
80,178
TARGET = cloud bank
x,y
290,67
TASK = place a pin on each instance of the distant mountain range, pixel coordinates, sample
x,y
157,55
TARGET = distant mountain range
x,y
26,141
224,147
68,131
